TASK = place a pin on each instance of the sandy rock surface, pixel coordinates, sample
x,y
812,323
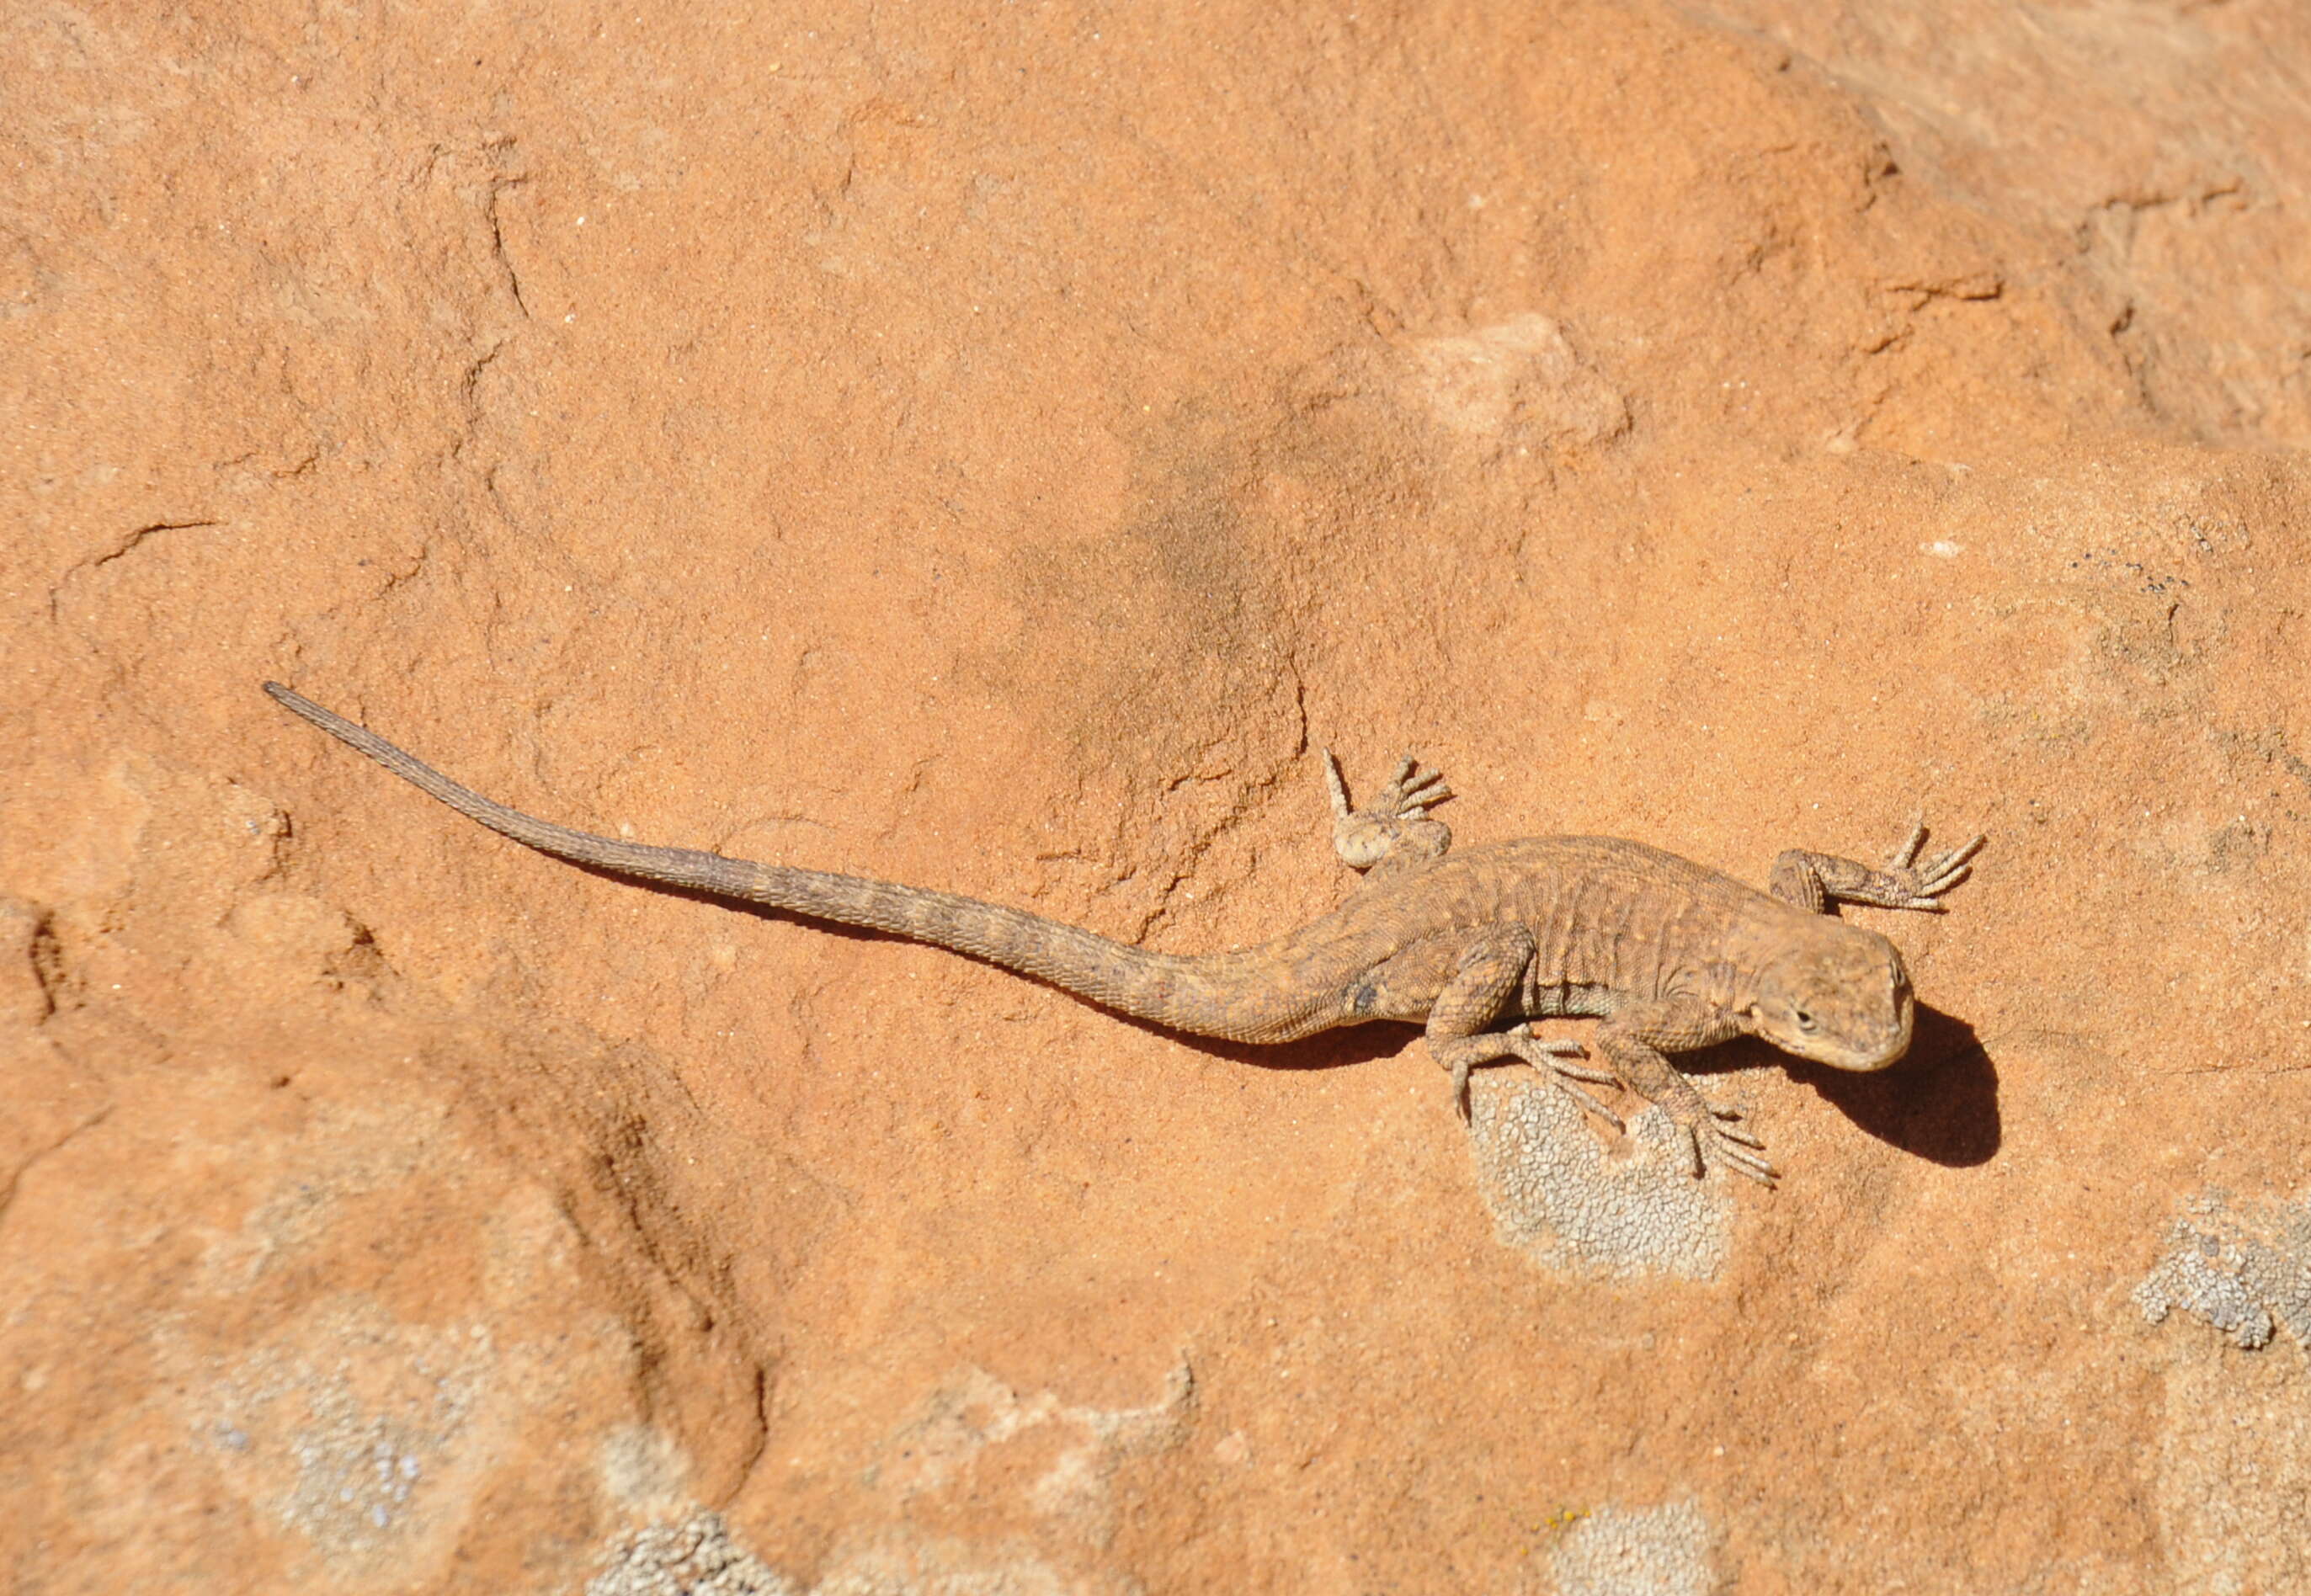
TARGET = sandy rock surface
x,y
997,448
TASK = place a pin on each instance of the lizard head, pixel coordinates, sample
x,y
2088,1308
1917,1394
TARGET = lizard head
x,y
1841,999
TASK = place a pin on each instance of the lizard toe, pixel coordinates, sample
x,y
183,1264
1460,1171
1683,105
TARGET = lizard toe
x,y
1902,858
1925,880
1711,1137
1744,1161
1956,856
1730,1146
1941,880
1587,1102
1550,1055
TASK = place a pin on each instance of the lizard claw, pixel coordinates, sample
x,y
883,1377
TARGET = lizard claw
x,y
1714,1138
1586,1100
1404,795
1742,1161
1412,800
1744,1156
1528,1044
1335,785
1924,882
1408,796
1902,858
1549,1057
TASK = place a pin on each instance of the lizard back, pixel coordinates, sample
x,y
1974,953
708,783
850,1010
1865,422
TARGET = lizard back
x,y
1610,918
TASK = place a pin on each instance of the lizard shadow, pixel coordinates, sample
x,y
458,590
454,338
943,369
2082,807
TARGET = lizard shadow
x,y
1327,1049
1940,1102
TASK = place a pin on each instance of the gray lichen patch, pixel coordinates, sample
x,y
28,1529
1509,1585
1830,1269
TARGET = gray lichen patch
x,y
1075,1451
2241,1265
1635,1551
355,1473
695,1557
355,1430
1559,1192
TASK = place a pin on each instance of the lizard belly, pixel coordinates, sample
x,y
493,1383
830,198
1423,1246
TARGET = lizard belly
x,y
1405,985
1568,1000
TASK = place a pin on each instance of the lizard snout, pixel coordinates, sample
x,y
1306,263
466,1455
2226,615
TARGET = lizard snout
x,y
1883,1044
1847,1005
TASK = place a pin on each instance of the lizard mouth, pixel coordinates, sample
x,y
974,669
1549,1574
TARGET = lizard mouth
x,y
1893,1039
1904,1014
1896,1044
1874,1049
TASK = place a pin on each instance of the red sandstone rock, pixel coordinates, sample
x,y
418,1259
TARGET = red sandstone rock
x,y
993,448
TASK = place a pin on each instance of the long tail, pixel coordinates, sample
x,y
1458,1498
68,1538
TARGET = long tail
x,y
1216,995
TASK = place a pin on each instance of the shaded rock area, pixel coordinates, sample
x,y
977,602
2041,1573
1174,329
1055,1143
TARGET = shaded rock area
x,y
998,448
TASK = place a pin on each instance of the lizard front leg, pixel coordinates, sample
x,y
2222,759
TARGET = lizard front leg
x,y
1491,968
1637,1041
1817,883
1392,832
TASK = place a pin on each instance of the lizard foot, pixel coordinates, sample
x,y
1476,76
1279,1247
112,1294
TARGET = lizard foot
x,y
1923,881
1397,815
1551,1058
1407,795
1714,1135
1548,1057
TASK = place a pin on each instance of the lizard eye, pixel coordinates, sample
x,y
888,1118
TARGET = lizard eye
x,y
1805,1021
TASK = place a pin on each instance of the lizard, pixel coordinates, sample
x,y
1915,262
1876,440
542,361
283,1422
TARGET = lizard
x,y
1668,955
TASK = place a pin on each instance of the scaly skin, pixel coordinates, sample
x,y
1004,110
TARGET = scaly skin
x,y
1669,955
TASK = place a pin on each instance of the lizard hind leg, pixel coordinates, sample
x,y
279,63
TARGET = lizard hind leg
x,y
1710,1134
1553,1060
1392,831
1491,968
